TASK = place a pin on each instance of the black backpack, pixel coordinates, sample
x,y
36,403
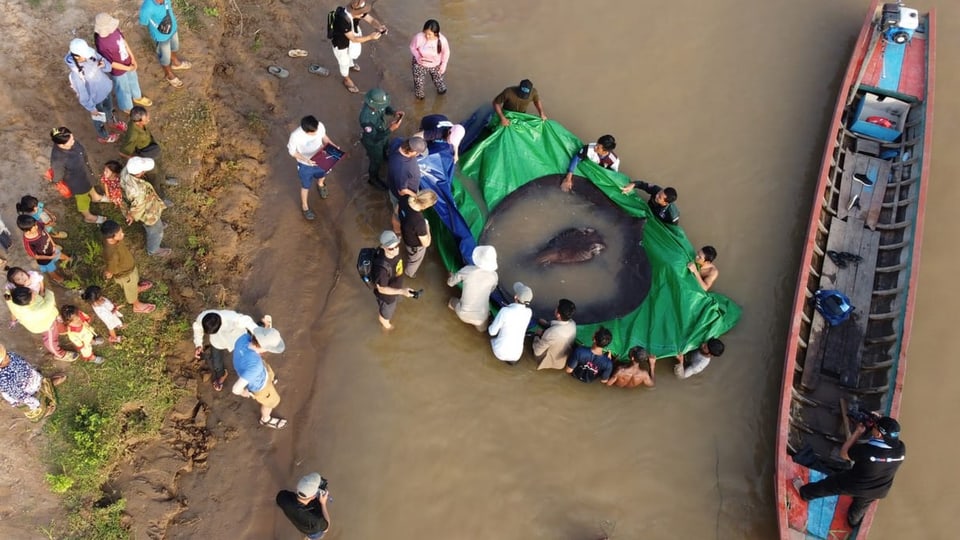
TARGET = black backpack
x,y
332,20
366,260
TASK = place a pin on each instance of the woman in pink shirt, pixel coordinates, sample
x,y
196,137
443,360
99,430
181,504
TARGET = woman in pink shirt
x,y
430,55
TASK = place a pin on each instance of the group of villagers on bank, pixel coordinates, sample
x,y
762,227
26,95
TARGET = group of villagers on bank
x,y
104,79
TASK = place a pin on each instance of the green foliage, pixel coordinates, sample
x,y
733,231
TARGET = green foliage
x,y
257,42
59,483
188,14
104,521
211,12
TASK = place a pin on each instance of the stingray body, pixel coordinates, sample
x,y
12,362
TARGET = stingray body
x,y
571,246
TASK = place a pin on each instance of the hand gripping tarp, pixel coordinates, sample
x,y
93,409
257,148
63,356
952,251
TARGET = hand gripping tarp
x,y
676,317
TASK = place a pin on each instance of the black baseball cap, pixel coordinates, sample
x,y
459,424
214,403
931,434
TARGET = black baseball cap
x,y
525,87
888,427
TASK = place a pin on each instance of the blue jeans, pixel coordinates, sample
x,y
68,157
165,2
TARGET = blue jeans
x,y
154,236
127,89
164,48
106,107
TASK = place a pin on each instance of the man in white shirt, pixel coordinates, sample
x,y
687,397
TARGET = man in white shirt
x,y
304,143
223,327
479,280
552,346
509,327
699,359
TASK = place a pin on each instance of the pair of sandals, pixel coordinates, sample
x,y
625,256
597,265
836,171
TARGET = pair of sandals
x,y
282,73
841,258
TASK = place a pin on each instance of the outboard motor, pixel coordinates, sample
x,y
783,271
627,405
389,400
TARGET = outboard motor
x,y
898,23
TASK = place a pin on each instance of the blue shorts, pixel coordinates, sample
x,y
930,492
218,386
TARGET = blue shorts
x,y
308,174
52,265
315,536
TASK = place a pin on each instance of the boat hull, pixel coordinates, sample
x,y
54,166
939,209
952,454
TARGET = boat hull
x,y
869,203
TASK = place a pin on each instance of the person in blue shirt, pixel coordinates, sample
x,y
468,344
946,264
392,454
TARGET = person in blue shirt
x,y
255,377
158,17
590,364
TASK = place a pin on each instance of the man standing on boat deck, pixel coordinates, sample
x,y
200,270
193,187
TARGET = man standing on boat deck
x,y
517,99
875,463
661,200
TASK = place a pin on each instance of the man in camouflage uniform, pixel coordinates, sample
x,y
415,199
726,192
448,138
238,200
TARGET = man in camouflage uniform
x,y
375,131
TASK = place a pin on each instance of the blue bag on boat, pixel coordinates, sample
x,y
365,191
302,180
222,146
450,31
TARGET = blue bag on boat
x,y
833,305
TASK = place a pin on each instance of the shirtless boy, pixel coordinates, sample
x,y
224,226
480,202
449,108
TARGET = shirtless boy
x,y
640,372
703,267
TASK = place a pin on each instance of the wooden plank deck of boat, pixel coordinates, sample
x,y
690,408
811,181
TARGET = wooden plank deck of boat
x,y
836,351
913,67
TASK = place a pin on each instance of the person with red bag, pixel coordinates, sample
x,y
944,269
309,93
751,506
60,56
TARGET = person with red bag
x,y
69,166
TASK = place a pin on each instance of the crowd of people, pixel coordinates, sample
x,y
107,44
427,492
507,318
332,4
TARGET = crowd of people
x,y
135,183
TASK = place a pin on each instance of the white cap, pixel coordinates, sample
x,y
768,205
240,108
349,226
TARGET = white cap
x,y
523,293
269,339
138,165
80,48
485,258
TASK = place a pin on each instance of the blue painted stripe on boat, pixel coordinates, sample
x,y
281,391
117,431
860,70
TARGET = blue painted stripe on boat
x,y
820,511
892,66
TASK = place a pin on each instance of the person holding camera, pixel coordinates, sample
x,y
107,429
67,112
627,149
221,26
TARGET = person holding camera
x,y
307,508
875,463
388,278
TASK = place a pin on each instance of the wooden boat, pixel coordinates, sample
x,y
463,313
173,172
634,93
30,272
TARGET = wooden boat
x,y
868,214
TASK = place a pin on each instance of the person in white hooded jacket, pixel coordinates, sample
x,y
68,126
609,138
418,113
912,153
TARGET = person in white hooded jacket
x,y
479,280
90,80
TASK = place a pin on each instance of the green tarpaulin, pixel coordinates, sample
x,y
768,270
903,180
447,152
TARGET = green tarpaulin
x,y
676,316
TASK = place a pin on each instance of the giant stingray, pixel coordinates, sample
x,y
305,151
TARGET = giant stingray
x,y
550,252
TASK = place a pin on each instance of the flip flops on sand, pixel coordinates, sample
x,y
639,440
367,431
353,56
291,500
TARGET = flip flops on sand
x,y
278,72
296,53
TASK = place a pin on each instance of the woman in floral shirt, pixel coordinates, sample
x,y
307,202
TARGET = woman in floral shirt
x,y
23,386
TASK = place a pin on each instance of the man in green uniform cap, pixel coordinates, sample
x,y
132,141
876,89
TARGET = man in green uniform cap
x,y
375,132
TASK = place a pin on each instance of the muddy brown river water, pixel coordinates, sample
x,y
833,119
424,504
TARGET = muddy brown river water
x,y
424,435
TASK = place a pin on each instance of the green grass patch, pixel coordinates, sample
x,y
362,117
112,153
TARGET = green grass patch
x,y
188,13
103,408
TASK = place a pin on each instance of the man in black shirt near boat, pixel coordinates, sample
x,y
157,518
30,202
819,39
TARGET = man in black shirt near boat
x,y
875,463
